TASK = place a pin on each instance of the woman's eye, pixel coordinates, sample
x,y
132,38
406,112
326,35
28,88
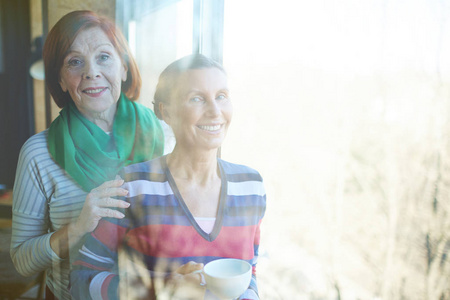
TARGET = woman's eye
x,y
221,97
74,62
196,99
104,57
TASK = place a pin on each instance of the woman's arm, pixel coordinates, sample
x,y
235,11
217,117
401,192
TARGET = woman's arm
x,y
260,209
30,243
33,247
252,291
94,272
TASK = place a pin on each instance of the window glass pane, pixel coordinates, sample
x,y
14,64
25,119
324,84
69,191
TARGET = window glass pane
x,y
158,38
340,106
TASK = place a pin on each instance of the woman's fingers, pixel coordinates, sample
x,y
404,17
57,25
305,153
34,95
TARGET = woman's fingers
x,y
110,188
110,192
109,184
97,207
187,273
189,268
111,202
110,213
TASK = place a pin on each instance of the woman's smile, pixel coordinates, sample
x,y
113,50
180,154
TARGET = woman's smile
x,y
210,128
95,92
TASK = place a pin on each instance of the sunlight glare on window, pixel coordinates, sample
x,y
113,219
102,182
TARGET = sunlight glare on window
x,y
132,36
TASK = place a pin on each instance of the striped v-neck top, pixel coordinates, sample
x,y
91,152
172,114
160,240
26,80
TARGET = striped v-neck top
x,y
162,234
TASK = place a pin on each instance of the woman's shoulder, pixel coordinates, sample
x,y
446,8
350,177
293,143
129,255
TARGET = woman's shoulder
x,y
143,169
244,181
36,144
241,172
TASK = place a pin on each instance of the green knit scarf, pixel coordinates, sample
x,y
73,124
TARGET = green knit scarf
x,y
90,155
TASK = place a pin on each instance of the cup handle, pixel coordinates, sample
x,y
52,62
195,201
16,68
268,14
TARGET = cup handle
x,y
202,276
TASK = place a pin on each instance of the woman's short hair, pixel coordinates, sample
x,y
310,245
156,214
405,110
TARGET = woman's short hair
x,y
167,83
61,37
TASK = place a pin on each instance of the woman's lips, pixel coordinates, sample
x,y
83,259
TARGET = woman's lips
x,y
210,127
94,92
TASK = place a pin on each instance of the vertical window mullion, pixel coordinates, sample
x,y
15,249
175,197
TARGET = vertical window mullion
x,y
208,28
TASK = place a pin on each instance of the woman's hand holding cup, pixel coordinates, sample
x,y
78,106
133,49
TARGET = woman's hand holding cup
x,y
187,272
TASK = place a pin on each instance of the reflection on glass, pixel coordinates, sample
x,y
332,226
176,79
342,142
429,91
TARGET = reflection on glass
x,y
157,37
160,37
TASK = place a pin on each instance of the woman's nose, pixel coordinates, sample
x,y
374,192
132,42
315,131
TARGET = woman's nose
x,y
91,71
213,108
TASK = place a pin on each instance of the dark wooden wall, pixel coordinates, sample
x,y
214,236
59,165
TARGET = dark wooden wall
x,y
16,101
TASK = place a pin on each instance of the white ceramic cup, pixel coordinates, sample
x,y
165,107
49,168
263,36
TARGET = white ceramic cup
x,y
227,278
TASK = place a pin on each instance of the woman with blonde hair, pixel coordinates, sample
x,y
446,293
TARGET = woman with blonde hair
x,y
187,208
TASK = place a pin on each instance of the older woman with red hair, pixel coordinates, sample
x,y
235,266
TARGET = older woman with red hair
x,y
66,178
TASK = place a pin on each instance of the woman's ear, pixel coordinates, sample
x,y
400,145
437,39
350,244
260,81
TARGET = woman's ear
x,y
63,85
124,71
165,114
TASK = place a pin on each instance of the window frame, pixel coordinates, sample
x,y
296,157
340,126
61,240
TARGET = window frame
x,y
208,20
